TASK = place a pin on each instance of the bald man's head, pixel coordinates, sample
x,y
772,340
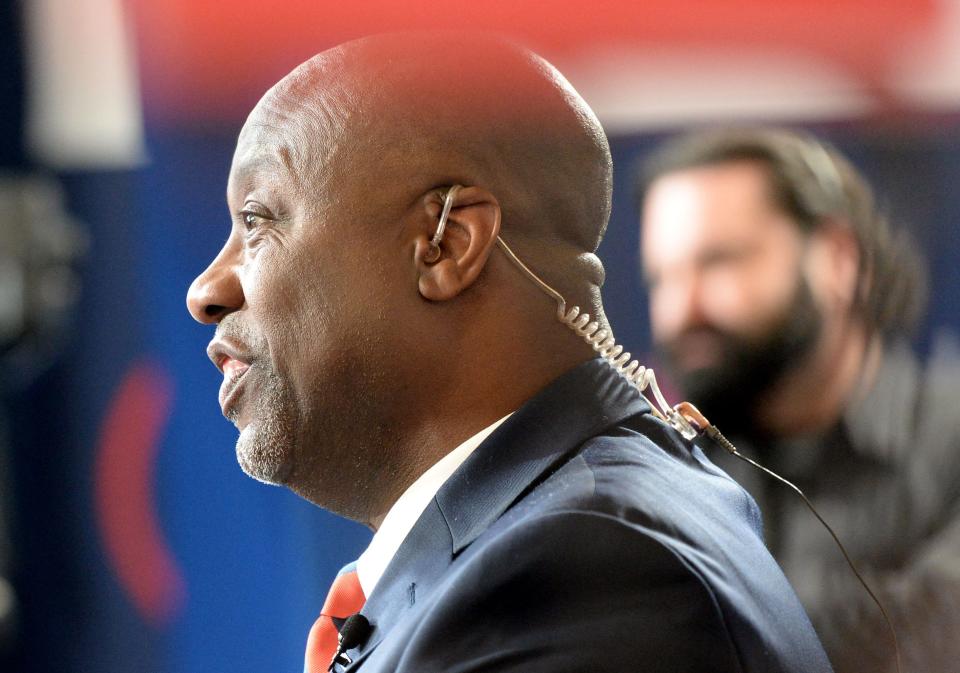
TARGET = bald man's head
x,y
382,119
330,299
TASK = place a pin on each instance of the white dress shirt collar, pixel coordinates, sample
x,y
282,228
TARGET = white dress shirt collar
x,y
408,508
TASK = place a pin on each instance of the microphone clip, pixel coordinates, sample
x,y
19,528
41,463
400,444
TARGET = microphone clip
x,y
353,633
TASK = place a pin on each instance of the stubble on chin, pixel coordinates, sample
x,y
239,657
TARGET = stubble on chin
x,y
265,447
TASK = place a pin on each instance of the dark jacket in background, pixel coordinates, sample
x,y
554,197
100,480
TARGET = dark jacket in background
x,y
887,479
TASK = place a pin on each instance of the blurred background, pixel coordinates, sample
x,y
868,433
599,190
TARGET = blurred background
x,y
129,538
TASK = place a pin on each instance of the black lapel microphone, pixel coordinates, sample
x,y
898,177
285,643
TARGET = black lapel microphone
x,y
354,632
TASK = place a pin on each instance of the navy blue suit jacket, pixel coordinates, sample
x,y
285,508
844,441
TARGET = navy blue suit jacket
x,y
586,535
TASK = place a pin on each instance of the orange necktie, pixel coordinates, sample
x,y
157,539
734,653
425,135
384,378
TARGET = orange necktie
x,y
344,599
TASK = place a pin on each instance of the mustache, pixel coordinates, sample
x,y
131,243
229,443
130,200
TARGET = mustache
x,y
233,330
231,327
691,335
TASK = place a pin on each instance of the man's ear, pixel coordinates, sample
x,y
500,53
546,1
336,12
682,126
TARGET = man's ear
x,y
836,260
471,232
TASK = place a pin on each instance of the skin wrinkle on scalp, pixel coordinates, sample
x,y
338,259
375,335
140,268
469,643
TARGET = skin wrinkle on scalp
x,y
306,115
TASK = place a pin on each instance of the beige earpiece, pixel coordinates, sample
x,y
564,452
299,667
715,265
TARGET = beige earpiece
x,y
433,254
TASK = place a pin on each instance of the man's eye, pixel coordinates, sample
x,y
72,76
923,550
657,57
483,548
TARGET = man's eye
x,y
726,257
251,220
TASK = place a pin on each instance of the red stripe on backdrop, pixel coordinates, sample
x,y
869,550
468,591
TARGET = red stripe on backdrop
x,y
212,60
125,494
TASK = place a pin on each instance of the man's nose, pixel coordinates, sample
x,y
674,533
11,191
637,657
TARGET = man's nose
x,y
693,303
217,291
680,304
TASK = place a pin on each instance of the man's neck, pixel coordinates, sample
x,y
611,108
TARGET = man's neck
x,y
467,408
813,396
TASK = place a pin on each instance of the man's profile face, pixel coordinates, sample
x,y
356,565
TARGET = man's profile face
x,y
301,299
730,307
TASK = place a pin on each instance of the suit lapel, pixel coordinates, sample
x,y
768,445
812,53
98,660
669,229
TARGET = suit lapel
x,y
412,573
578,405
540,435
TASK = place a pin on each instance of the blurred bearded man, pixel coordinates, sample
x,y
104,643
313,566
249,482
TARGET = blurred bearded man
x,y
387,357
779,301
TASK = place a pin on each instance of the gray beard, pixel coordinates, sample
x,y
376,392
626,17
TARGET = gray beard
x,y
265,447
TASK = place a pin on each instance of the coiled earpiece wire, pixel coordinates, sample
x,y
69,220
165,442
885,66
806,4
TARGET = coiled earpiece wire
x,y
684,417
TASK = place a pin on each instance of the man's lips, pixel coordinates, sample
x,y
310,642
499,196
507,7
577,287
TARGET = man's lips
x,y
233,373
231,367
223,349
697,350
230,359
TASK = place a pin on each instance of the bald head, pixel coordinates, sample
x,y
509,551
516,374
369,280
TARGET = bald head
x,y
327,303
385,118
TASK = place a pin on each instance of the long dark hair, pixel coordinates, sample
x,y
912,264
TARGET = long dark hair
x,y
812,182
